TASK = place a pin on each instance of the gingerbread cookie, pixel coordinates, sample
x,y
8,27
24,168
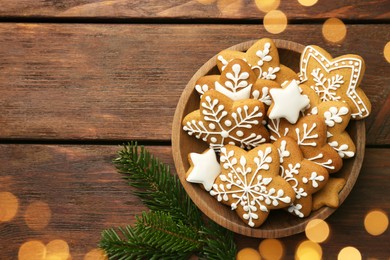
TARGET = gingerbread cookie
x,y
261,91
249,183
329,195
263,57
204,168
304,176
310,134
336,116
221,121
335,79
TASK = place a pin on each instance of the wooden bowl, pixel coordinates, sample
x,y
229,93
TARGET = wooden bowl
x,y
279,223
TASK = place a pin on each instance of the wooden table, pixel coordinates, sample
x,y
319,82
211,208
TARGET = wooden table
x,y
78,78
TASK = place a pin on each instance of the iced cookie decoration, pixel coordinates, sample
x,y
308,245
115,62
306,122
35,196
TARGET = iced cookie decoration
x,y
261,91
287,102
336,115
235,82
250,183
304,176
221,121
335,79
329,195
204,168
310,134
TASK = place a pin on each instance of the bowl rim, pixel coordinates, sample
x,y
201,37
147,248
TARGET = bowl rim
x,y
243,229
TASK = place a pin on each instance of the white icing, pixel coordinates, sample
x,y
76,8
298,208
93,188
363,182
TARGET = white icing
x,y
215,113
205,168
270,74
223,61
314,178
327,88
201,89
290,174
252,194
306,135
333,115
264,98
327,164
296,209
264,54
282,151
342,149
289,95
236,88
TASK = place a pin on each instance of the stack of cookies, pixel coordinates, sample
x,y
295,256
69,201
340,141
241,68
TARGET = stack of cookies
x,y
275,137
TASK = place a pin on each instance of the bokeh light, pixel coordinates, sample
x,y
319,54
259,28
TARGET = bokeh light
x,y
307,2
37,215
230,7
386,51
317,230
376,222
248,254
349,253
57,249
206,2
32,250
308,250
334,30
275,21
96,254
271,249
267,5
9,205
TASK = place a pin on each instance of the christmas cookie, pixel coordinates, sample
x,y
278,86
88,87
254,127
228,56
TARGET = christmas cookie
x,y
336,116
250,183
235,82
221,121
263,57
261,91
329,195
304,176
335,79
204,168
310,134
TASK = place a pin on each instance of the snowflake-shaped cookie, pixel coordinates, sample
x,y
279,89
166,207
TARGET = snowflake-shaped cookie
x,y
249,183
263,57
310,134
335,79
304,176
221,121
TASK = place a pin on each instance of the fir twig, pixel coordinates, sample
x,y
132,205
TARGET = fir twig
x,y
158,189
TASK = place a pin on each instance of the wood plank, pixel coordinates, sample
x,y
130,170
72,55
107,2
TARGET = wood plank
x,y
190,9
86,195
120,82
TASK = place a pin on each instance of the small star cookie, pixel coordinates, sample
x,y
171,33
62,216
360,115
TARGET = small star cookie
x,y
249,183
310,134
335,79
221,121
204,168
329,195
304,176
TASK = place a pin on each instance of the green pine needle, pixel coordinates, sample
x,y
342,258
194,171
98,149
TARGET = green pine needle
x,y
174,228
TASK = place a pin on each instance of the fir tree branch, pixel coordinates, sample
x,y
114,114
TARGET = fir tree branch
x,y
158,189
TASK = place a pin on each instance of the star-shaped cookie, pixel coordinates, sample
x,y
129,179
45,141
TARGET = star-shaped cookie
x,y
249,183
204,168
335,79
329,195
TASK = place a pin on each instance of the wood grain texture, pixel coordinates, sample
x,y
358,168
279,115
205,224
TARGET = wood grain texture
x,y
191,9
107,82
86,195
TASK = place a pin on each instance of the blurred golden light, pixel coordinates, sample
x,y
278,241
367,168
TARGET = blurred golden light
x,y
96,254
9,205
271,249
37,215
308,250
386,52
334,30
317,230
229,7
307,2
248,254
267,5
275,21
206,2
349,253
57,249
376,222
32,250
